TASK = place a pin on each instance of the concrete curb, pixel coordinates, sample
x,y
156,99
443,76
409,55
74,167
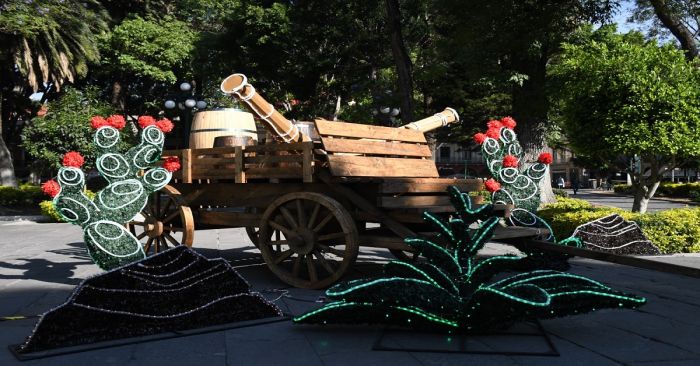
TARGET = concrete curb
x,y
674,200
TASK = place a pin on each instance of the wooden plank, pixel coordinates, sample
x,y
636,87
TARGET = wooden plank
x,y
240,175
333,145
206,163
230,219
366,166
610,257
276,172
356,130
297,146
307,168
412,201
264,159
432,185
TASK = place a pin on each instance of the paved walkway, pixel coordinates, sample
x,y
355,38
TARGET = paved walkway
x,y
41,263
611,199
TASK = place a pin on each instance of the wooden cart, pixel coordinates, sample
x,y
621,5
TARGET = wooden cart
x,y
308,206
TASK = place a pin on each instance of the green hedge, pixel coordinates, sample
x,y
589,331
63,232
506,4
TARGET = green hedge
x,y
48,209
667,189
673,231
24,195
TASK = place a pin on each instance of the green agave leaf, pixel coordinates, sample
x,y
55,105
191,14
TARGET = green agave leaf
x,y
464,208
397,291
492,308
421,271
442,227
436,255
477,240
346,313
485,269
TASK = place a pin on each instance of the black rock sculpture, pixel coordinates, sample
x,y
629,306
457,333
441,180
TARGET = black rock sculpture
x,y
614,234
172,291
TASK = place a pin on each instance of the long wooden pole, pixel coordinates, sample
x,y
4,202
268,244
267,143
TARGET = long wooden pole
x,y
437,120
237,86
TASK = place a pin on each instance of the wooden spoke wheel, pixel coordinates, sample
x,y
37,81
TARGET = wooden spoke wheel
x,y
308,240
164,222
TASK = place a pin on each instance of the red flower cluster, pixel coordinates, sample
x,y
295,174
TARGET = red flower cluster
x,y
479,138
172,164
145,121
97,122
510,161
165,125
117,121
508,122
51,188
492,185
545,158
493,133
73,159
494,123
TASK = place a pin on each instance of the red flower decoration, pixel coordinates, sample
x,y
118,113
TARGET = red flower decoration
x,y
145,121
492,185
97,122
172,164
545,158
493,133
510,161
51,188
165,125
479,138
508,122
117,121
73,159
494,123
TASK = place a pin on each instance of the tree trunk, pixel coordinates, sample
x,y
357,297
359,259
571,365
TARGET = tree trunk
x,y
530,109
642,195
7,169
677,28
401,59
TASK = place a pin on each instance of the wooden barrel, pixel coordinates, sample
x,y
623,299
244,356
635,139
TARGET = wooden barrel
x,y
222,141
210,124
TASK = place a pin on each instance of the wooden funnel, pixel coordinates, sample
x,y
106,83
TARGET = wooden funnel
x,y
283,129
437,120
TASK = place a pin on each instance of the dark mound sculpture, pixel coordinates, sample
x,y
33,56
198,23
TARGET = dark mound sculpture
x,y
175,290
613,234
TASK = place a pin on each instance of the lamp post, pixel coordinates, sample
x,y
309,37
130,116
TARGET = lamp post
x,y
186,102
387,114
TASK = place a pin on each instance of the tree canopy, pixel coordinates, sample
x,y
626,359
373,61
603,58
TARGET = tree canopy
x,y
623,96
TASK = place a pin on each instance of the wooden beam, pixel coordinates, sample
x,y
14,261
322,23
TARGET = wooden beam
x,y
357,130
368,147
365,166
610,257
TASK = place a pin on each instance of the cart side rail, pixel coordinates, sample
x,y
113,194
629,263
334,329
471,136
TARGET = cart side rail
x,y
240,163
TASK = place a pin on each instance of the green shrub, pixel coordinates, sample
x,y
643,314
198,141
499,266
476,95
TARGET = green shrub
x,y
485,195
673,231
48,209
560,193
24,195
623,189
667,189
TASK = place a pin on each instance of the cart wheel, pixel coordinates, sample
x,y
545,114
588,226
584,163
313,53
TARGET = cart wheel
x,y
318,241
165,221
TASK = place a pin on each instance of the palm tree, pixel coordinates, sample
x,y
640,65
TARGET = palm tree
x,y
45,44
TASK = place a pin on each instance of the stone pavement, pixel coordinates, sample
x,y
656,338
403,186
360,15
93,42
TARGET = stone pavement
x,y
41,263
609,198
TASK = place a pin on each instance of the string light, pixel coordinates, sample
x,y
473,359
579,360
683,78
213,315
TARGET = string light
x,y
452,290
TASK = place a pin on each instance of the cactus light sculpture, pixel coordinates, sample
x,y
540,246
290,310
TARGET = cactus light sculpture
x,y
102,219
516,182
